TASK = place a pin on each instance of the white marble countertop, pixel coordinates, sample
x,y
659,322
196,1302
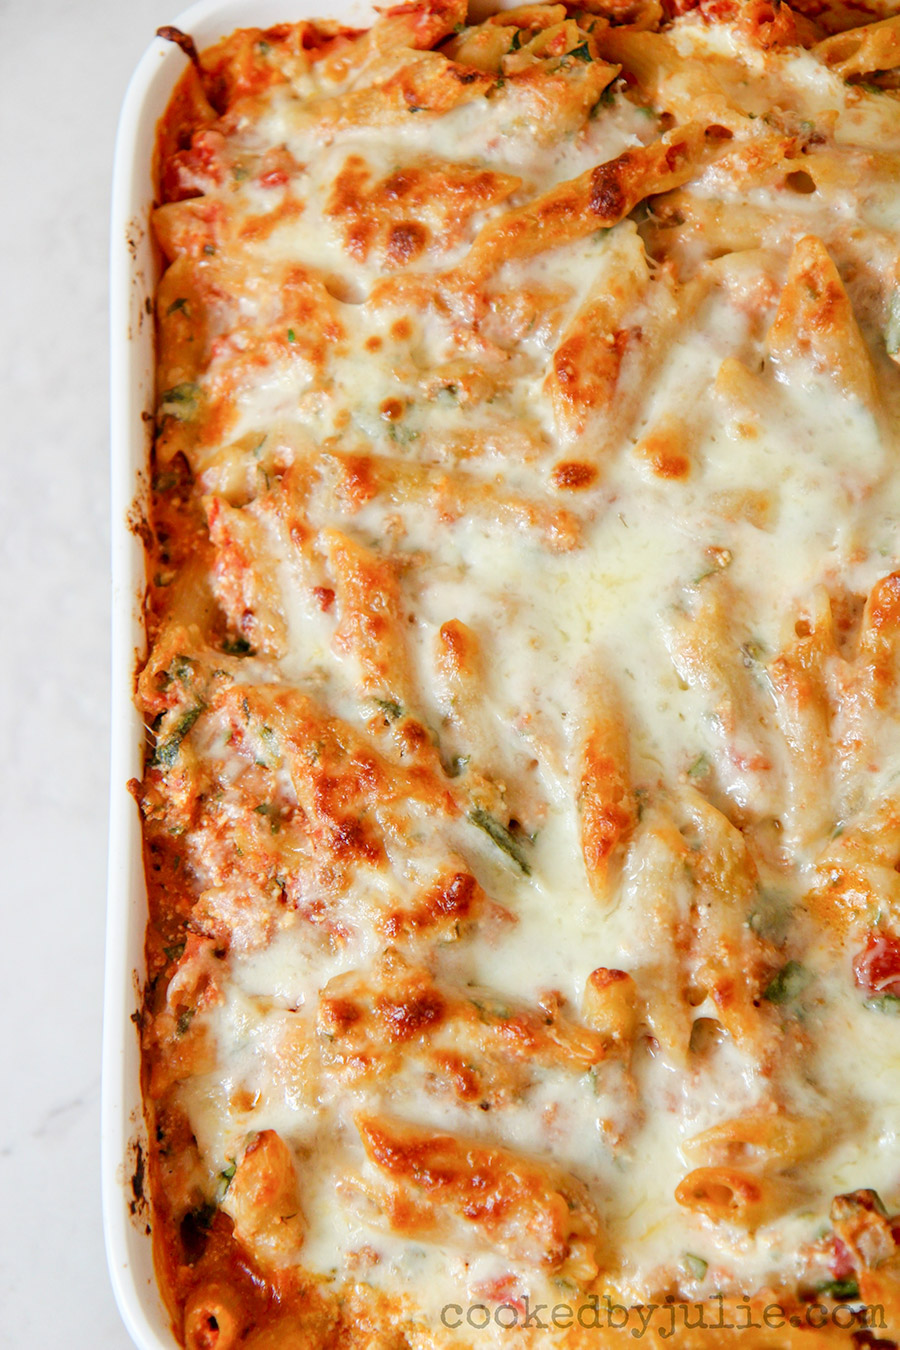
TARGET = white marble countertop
x,y
64,65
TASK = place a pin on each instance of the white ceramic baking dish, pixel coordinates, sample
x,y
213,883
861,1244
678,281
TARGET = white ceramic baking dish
x,y
134,269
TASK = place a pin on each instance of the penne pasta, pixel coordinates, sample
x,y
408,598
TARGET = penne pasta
x,y
730,1195
519,803
815,323
859,51
598,199
525,1208
606,801
263,1202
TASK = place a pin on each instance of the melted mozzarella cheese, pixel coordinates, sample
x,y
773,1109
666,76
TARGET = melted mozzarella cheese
x,y
796,493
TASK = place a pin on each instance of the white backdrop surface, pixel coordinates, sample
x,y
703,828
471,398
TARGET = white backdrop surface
x,y
64,65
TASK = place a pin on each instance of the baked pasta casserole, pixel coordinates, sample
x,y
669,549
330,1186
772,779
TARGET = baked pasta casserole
x,y
521,800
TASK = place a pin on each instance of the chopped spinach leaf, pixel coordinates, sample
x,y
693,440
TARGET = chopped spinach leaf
x,y
788,984
183,668
840,1289
391,709
226,1176
166,751
237,646
180,401
699,768
695,1265
884,1003
269,809
501,836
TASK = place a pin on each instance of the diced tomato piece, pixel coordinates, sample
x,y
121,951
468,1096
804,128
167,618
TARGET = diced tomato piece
x,y
877,966
842,1262
506,1289
278,164
190,173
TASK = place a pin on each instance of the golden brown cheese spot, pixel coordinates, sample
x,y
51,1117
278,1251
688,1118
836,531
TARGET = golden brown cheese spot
x,y
405,242
454,898
367,1028
465,1082
664,453
458,650
348,200
391,409
244,1100
883,609
401,1017
587,374
358,483
414,739
338,1015
401,329
608,197
349,839
572,475
430,1161
404,211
